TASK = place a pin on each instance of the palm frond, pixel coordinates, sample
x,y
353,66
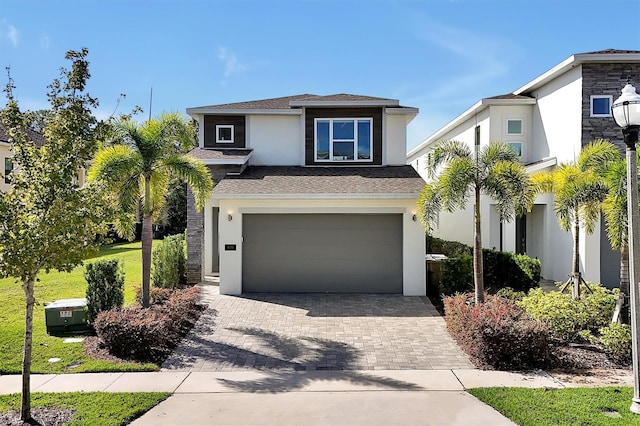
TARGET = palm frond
x,y
445,152
455,183
429,205
193,172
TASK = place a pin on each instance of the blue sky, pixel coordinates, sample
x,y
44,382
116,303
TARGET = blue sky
x,y
441,56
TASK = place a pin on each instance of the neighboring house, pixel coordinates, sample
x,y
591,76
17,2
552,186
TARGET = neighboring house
x,y
312,194
6,155
547,121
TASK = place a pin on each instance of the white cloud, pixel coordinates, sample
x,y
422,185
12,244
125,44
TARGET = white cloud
x,y
45,41
231,63
13,35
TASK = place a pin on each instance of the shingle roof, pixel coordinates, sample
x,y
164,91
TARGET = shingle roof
x,y
220,154
284,102
510,96
610,51
296,180
34,136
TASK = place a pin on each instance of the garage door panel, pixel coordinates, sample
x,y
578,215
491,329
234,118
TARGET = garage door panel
x,y
322,253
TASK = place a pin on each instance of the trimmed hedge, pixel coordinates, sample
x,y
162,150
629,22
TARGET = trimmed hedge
x,y
105,287
149,335
170,262
497,333
501,269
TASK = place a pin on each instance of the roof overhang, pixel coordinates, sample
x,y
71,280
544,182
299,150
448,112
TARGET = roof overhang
x,y
541,165
359,196
572,62
205,110
353,103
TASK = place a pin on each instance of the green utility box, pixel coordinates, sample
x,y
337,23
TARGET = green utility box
x,y
66,316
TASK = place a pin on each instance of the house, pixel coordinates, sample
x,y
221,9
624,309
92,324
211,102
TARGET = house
x,y
313,194
547,121
6,155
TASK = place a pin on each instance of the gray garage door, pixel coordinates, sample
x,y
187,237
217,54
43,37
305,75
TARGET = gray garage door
x,y
311,253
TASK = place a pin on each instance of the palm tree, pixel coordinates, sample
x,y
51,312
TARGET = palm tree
x,y
458,172
579,192
138,164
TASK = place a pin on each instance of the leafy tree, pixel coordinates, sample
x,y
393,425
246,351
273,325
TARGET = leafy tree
x,y
460,173
138,164
39,119
579,191
173,216
46,221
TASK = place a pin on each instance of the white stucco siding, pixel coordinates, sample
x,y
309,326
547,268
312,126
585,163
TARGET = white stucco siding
x,y
276,140
395,140
5,152
498,127
557,118
230,232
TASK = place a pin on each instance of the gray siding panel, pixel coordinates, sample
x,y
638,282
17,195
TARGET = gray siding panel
x,y
317,253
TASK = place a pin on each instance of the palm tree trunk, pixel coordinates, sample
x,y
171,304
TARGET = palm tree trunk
x,y
477,253
575,270
25,409
147,241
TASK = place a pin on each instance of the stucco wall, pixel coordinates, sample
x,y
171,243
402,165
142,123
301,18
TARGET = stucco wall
x,y
394,141
277,140
231,233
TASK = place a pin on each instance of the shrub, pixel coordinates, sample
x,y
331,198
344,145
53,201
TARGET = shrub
x,y
497,332
456,275
511,294
169,262
616,340
157,296
502,269
105,287
567,317
149,334
448,248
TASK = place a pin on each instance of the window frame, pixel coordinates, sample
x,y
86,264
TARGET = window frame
x,y
8,161
506,123
509,143
225,126
331,120
594,97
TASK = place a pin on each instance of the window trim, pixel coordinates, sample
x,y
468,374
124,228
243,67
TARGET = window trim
x,y
509,143
7,171
592,98
506,123
332,141
225,126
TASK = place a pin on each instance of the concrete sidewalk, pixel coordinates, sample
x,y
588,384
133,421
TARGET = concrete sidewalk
x,y
284,397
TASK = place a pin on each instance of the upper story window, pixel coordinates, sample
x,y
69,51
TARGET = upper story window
x,y
601,105
514,127
224,133
8,168
343,139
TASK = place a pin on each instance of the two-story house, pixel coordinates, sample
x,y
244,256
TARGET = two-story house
x,y
313,194
547,121
6,155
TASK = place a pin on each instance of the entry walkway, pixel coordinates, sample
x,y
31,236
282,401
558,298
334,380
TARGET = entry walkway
x,y
305,332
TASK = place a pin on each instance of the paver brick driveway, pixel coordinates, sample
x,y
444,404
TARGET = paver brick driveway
x,y
317,332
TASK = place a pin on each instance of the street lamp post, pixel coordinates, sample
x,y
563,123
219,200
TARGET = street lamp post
x,y
626,113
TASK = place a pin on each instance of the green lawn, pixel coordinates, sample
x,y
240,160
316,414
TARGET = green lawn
x,y
575,406
92,408
51,287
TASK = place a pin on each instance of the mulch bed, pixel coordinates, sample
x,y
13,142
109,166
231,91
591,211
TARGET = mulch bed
x,y
45,416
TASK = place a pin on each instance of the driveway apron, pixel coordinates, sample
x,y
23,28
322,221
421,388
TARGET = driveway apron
x,y
316,332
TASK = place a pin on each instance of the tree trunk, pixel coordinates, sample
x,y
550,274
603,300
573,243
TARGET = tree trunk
x,y
147,241
478,279
575,269
25,409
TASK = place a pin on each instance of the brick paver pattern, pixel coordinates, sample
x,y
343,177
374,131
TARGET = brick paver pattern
x,y
317,332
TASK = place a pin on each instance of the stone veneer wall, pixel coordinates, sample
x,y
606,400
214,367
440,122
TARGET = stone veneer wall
x,y
604,79
195,226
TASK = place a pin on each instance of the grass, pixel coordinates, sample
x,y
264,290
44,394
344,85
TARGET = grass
x,y
92,408
54,286
571,406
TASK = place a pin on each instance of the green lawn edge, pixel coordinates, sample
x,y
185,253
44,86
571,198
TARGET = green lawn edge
x,y
568,406
55,286
92,408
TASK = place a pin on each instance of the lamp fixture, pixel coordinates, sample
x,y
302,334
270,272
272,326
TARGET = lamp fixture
x,y
229,217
